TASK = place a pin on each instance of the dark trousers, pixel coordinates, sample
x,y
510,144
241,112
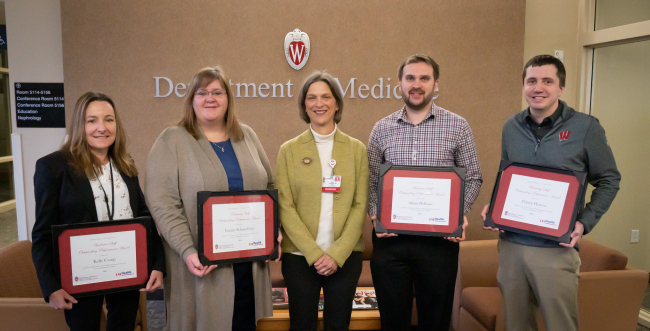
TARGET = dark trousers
x,y
303,287
122,310
404,263
243,317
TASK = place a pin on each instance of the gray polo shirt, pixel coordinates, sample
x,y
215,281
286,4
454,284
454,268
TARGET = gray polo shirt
x,y
575,142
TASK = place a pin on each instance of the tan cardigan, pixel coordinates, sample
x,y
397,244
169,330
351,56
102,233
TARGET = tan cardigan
x,y
299,185
179,166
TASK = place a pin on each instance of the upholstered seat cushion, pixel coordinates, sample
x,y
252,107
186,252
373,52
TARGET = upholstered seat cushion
x,y
483,303
365,280
18,277
595,257
276,274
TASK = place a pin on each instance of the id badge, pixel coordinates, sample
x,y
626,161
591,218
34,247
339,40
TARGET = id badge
x,y
332,184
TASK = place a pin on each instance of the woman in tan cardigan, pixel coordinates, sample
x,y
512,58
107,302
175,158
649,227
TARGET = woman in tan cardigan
x,y
208,151
322,179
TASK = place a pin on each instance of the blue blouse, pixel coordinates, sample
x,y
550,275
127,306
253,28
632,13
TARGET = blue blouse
x,y
228,159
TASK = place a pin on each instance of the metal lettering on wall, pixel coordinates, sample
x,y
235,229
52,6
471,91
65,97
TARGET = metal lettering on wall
x,y
383,90
40,105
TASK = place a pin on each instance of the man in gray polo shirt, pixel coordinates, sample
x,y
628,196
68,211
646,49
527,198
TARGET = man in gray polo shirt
x,y
535,272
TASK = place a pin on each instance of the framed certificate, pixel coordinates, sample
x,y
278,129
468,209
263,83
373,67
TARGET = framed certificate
x,y
237,226
102,257
538,201
425,201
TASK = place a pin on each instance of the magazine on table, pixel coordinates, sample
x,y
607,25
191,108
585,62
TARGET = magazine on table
x,y
321,302
280,298
364,299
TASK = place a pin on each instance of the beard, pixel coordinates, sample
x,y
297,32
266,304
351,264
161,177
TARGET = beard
x,y
417,106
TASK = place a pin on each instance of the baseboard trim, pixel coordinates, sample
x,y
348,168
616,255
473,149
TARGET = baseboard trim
x,y
644,318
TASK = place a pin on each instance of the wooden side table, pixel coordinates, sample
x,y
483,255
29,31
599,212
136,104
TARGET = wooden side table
x,y
361,319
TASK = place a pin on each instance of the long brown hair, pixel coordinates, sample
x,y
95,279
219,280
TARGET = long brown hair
x,y
203,78
77,146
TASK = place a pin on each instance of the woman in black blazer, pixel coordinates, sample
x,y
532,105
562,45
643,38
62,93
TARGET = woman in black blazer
x,y
72,186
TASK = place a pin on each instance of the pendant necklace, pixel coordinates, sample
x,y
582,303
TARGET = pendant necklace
x,y
222,149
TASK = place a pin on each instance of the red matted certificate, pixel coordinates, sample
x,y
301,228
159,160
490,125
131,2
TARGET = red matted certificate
x,y
237,226
102,257
538,201
421,200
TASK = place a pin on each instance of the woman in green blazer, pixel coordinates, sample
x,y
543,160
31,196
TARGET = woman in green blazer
x,y
322,179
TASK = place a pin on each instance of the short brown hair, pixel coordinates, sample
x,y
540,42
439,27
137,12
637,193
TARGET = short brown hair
x,y
417,58
543,60
320,76
201,79
77,147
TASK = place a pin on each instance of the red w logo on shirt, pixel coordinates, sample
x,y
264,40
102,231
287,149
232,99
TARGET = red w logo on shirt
x,y
564,135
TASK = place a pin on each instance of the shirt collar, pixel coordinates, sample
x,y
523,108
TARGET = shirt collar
x,y
432,112
327,137
550,120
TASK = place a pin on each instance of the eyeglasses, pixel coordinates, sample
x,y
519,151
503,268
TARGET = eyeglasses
x,y
204,93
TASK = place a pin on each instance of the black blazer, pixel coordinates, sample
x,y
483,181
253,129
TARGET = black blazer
x,y
64,196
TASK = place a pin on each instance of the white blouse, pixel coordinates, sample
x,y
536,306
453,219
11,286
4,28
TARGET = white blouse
x,y
325,236
122,202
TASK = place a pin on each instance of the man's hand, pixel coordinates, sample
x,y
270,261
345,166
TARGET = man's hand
x,y
195,266
576,235
380,235
455,239
61,300
484,214
325,265
155,281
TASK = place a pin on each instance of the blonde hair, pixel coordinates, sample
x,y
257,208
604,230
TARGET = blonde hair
x,y
77,146
201,79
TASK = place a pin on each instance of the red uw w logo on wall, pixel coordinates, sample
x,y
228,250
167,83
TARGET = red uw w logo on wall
x,y
564,135
296,48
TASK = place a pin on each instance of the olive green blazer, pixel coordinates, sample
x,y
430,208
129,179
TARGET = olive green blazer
x,y
299,182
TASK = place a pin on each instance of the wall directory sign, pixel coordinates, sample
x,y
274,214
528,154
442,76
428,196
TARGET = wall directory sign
x,y
40,105
3,36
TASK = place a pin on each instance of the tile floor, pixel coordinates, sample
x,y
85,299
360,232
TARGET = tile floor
x,y
646,300
156,315
8,228
645,306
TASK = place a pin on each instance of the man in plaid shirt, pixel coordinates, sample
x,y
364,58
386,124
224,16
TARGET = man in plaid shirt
x,y
419,134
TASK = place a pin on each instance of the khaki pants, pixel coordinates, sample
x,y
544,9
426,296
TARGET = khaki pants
x,y
532,277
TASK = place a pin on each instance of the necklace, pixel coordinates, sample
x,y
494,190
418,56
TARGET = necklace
x,y
217,145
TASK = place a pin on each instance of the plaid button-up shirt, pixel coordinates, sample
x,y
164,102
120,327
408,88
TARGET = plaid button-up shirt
x,y
443,139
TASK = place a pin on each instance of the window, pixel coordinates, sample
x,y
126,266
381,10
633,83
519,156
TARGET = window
x,y
615,74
